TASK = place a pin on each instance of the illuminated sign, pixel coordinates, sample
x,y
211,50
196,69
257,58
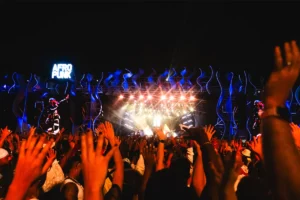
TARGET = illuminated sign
x,y
62,71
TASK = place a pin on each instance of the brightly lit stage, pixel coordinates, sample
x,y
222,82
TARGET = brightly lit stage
x,y
137,102
172,111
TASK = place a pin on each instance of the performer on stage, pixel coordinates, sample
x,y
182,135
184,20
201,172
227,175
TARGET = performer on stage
x,y
53,115
258,111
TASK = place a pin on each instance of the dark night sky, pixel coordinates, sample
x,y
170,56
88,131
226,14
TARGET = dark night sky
x,y
103,37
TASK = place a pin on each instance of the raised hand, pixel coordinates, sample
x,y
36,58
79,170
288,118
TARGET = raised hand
x,y
210,131
94,165
30,166
296,133
30,134
5,132
238,145
149,156
109,133
281,80
256,146
160,134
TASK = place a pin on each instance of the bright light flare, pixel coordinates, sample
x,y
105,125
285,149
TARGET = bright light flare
x,y
182,97
121,97
148,131
163,97
171,98
131,97
192,98
141,97
157,121
149,97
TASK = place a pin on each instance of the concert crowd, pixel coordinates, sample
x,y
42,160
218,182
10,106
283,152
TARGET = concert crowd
x,y
100,165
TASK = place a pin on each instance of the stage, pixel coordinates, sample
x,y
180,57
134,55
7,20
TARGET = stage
x,y
136,102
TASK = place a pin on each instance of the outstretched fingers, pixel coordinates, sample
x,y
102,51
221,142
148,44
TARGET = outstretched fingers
x,y
83,147
39,145
278,58
42,155
296,54
90,144
99,145
288,53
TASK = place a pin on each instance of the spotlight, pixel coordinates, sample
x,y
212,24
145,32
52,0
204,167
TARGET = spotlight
x,y
192,98
121,97
141,96
131,97
171,98
182,97
163,97
149,97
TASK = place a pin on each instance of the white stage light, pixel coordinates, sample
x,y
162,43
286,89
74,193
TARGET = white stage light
x,y
192,98
157,121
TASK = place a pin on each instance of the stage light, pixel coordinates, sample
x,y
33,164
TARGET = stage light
x,y
187,120
141,97
149,97
131,97
192,98
128,126
171,98
182,97
148,131
157,121
163,97
121,97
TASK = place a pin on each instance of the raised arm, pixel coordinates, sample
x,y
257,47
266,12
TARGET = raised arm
x,y
5,132
108,131
93,175
160,149
199,179
281,156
